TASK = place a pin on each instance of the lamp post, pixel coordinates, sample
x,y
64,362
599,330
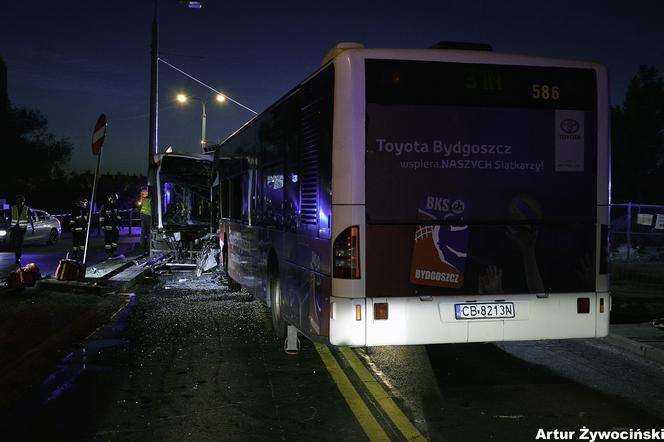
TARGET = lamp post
x,y
154,93
182,98
153,142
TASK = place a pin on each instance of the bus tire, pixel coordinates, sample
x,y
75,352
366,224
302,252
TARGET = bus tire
x,y
275,305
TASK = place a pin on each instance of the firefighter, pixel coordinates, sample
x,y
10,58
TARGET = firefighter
x,y
79,227
19,218
110,221
145,204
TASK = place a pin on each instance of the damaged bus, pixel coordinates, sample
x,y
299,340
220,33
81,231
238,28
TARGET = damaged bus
x,y
415,196
183,207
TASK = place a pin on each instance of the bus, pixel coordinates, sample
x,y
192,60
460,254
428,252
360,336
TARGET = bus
x,y
419,196
183,215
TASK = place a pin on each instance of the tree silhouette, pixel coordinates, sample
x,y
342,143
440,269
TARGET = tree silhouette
x,y
637,163
33,160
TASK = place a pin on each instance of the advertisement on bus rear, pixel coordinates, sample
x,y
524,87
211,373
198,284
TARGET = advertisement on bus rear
x,y
487,190
481,158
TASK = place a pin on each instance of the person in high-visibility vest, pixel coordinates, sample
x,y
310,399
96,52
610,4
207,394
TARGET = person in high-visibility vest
x,y
145,204
20,217
79,227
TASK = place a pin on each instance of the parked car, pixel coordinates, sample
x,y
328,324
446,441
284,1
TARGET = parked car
x,y
47,228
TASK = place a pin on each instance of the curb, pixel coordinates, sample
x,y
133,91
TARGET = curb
x,y
120,275
69,286
639,348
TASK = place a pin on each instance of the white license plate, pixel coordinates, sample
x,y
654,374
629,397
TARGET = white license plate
x,y
488,310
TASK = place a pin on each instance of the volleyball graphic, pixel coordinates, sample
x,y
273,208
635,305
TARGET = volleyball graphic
x,y
423,233
439,255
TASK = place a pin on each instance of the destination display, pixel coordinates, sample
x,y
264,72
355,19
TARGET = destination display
x,y
465,84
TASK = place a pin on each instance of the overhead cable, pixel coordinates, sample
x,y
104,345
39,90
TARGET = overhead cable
x,y
207,85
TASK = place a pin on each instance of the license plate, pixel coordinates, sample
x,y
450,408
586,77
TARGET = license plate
x,y
485,310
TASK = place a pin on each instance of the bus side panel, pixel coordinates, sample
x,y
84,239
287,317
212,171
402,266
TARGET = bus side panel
x,y
306,299
222,232
306,286
245,261
305,289
268,240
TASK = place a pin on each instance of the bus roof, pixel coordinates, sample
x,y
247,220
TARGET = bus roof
x,y
347,52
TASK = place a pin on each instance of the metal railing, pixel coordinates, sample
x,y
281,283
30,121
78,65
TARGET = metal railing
x,y
131,219
637,232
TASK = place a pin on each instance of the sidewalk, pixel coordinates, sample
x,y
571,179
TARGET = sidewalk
x,y
642,339
38,328
637,297
40,325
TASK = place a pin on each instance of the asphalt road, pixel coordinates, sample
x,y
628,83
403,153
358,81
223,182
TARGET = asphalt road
x,y
190,360
183,365
509,391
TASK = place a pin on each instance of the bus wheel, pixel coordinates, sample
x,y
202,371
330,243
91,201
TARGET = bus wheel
x,y
275,305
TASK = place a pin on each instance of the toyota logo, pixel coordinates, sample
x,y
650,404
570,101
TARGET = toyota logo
x,y
569,126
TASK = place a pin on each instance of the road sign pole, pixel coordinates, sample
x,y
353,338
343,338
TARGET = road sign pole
x,y
90,212
98,137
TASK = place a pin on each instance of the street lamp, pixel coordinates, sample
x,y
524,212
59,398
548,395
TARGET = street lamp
x,y
154,80
182,98
154,88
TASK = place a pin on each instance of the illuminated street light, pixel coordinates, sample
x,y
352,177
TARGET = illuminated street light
x,y
182,98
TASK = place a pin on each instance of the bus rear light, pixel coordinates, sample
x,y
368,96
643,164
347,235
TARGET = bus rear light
x,y
380,311
358,312
583,305
346,254
601,305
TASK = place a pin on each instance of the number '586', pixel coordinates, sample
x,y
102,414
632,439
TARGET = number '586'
x,y
545,92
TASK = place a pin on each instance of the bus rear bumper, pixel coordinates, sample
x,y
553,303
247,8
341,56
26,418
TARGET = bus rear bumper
x,y
432,320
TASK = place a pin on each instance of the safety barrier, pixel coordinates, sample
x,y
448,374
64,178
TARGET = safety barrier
x,y
130,223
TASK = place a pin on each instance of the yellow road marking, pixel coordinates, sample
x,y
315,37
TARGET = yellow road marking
x,y
367,421
386,403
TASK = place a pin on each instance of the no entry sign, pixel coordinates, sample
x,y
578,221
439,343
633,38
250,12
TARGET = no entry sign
x,y
98,135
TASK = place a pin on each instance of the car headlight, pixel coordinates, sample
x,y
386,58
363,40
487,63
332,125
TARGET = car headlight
x,y
3,233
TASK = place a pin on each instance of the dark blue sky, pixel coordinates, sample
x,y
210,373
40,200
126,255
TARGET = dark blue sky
x,y
76,59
